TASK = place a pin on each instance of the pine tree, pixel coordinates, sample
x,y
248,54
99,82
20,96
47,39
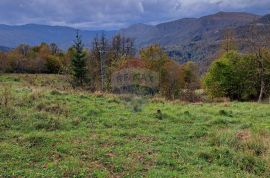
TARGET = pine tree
x,y
79,61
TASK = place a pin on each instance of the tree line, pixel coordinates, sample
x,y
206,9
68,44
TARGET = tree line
x,y
45,58
242,72
93,68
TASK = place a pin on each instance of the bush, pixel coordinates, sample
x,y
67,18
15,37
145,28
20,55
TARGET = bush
x,y
232,76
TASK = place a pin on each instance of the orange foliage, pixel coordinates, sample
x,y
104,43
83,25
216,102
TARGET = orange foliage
x,y
133,63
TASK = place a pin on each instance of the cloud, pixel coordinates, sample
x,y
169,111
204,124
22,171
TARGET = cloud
x,y
114,14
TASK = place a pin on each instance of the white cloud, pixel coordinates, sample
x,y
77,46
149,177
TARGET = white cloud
x,y
112,14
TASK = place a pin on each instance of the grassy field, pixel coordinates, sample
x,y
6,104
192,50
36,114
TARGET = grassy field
x,y
47,129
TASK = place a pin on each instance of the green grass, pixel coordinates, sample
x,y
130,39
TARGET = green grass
x,y
48,129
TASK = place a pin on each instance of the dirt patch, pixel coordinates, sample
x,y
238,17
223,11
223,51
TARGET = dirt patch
x,y
243,135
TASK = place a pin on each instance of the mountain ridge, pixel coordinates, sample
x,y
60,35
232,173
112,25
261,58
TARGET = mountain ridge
x,y
168,32
4,49
197,39
33,34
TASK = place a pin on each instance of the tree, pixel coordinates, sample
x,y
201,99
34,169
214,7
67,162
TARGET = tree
x,y
4,64
79,61
191,79
23,49
99,63
258,45
123,46
104,58
232,76
191,75
155,57
54,64
172,80
93,64
103,67
171,74
54,49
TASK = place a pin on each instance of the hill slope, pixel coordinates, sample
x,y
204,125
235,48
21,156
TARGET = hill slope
x,y
186,30
48,129
196,39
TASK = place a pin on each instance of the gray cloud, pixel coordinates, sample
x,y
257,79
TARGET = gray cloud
x,y
114,14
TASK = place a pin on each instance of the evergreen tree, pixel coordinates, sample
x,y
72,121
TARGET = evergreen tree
x,y
79,61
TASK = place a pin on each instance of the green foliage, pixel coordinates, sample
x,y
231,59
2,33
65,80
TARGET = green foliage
x,y
79,61
191,75
54,64
154,56
191,81
232,76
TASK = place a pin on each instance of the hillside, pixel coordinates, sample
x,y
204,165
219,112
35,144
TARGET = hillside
x,y
48,129
187,30
33,34
196,39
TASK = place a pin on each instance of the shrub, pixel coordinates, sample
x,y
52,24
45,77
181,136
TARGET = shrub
x,y
232,76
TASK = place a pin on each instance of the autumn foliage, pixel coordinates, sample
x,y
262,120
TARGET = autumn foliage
x,y
38,59
175,81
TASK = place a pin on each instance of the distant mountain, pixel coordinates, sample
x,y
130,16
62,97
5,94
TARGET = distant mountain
x,y
4,49
196,39
188,29
264,20
34,34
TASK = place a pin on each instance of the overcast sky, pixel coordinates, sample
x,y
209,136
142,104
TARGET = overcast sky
x,y
115,14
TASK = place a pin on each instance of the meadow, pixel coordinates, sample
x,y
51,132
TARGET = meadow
x,y
49,129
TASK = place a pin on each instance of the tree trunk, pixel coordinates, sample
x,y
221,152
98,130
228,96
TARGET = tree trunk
x,y
261,91
262,84
261,73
